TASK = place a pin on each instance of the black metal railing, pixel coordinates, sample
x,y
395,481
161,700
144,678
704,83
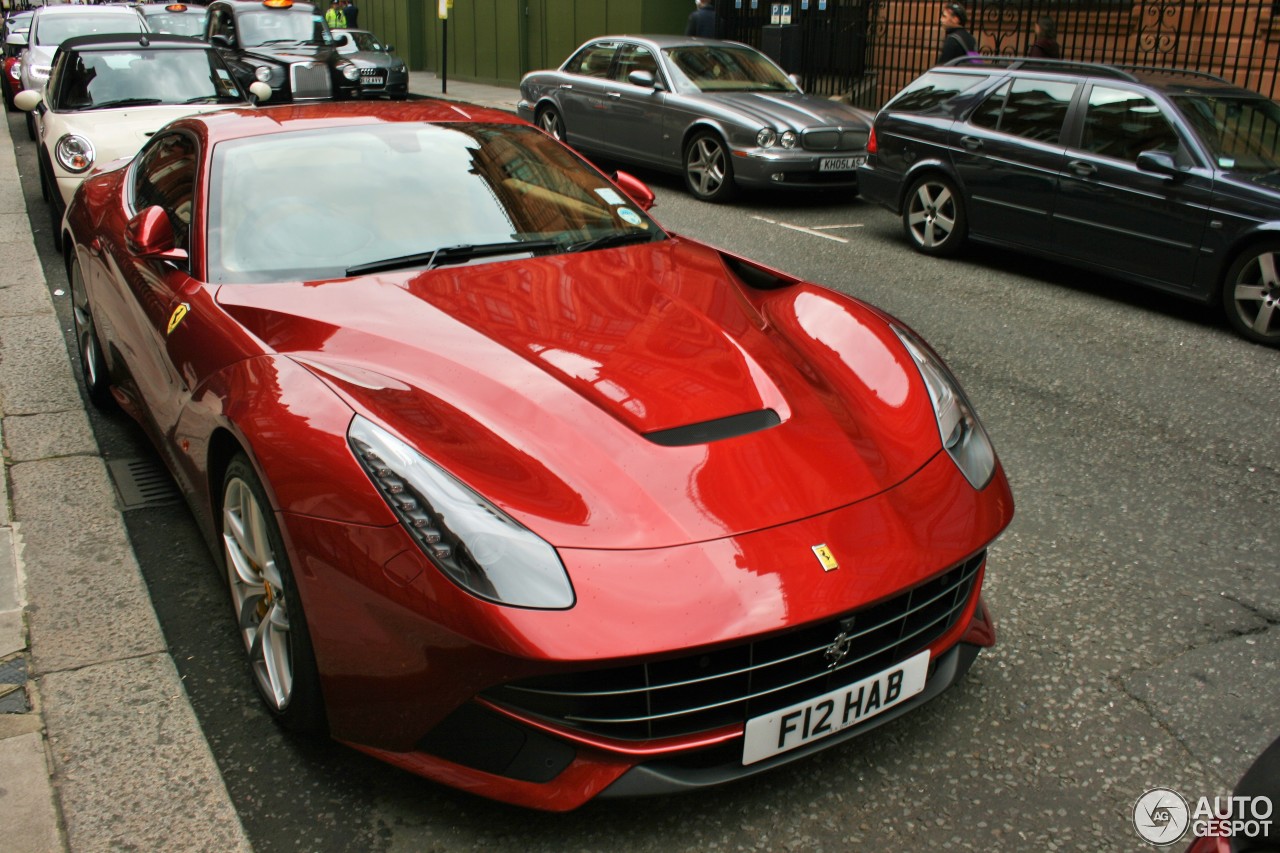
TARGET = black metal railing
x,y
869,49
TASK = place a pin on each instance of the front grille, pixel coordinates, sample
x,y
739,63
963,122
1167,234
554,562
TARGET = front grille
x,y
310,80
834,139
709,690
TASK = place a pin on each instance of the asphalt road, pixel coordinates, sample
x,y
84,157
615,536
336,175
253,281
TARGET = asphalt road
x,y
1137,593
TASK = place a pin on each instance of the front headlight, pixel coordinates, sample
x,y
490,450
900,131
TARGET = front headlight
x,y
788,139
962,433
74,153
15,71
262,74
767,137
40,72
474,543
350,71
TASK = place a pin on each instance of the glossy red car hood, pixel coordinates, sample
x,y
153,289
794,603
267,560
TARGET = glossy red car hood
x,y
540,383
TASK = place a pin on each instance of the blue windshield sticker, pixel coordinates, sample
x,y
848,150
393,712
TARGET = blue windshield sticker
x,y
628,215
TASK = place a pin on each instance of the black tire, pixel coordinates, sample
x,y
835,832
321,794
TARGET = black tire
x,y
708,168
46,192
551,123
266,603
1251,293
933,216
93,365
31,127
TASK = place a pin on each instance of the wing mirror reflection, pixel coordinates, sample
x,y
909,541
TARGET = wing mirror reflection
x,y
150,235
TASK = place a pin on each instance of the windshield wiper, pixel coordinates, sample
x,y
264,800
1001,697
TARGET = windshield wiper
x,y
620,238
452,255
128,102
281,41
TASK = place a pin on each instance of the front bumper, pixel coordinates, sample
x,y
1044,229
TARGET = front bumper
x,y
778,168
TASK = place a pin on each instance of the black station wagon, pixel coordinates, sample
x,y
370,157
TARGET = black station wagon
x,y
1168,178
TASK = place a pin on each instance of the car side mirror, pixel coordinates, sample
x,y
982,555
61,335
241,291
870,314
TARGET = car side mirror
x,y
16,39
1160,162
27,100
635,189
644,79
386,48
150,235
340,41
260,91
220,41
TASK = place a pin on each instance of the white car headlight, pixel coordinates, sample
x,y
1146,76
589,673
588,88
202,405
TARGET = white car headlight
x,y
262,73
15,71
474,543
963,435
788,139
767,137
74,153
350,72
40,72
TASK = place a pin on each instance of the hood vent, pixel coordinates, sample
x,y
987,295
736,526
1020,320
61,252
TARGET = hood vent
x,y
720,428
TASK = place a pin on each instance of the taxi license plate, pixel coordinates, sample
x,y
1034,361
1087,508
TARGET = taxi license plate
x,y
840,164
823,716
373,81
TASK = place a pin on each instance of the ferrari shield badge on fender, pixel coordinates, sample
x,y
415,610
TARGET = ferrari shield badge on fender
x,y
825,557
176,317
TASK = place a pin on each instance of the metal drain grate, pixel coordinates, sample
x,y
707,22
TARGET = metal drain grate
x,y
142,483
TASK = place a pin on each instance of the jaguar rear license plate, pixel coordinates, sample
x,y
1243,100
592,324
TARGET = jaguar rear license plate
x,y
840,164
823,716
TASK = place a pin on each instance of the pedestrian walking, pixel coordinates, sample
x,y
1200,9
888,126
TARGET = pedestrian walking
x,y
956,41
353,14
703,21
1045,44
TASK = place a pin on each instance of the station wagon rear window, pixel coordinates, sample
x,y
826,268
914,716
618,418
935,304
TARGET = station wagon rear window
x,y
932,89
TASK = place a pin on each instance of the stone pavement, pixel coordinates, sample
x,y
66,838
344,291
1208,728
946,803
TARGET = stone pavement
x,y
99,746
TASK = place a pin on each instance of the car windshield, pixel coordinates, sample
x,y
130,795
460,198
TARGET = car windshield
x,y
1241,132
269,26
314,204
359,40
177,23
93,79
53,30
726,68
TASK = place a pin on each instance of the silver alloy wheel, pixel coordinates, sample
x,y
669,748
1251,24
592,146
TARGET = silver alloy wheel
x,y
931,214
92,361
1255,296
706,168
549,121
257,592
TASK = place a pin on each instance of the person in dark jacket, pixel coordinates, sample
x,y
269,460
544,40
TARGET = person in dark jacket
x,y
352,13
1046,40
703,21
957,41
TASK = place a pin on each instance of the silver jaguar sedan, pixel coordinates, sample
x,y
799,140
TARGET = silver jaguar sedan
x,y
718,112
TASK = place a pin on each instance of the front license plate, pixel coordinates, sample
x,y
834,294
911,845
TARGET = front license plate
x,y
373,81
825,715
840,164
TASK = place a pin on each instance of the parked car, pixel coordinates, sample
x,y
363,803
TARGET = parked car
x,y
284,44
179,19
720,113
13,48
514,489
108,94
1168,178
52,25
382,73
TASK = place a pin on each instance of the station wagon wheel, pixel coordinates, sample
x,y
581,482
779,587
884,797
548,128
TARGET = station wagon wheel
x,y
933,216
1251,293
93,365
550,122
708,172
266,603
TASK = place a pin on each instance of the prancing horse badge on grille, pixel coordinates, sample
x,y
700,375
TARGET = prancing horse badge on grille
x,y
825,557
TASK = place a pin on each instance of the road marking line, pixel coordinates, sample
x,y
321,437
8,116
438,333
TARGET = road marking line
x,y
829,227
801,229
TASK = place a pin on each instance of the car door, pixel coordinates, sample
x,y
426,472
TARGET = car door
x,y
1114,214
159,292
633,115
1008,154
581,94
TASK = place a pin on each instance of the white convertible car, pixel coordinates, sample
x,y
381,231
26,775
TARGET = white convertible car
x,y
108,94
